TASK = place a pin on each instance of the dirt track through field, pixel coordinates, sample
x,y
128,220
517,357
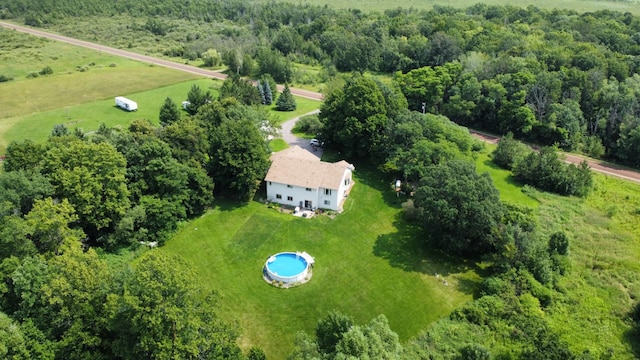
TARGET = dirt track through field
x,y
596,165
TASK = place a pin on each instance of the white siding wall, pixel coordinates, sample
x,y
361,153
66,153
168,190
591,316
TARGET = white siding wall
x,y
297,194
316,196
344,185
332,198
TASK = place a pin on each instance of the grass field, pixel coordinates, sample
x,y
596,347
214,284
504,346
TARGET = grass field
x,y
368,262
510,189
89,116
83,99
603,284
595,297
632,6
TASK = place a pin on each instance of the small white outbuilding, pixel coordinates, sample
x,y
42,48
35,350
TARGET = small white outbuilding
x,y
126,104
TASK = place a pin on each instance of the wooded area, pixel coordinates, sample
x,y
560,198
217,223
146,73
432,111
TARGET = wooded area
x,y
548,76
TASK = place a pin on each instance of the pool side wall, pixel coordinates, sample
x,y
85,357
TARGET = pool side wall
x,y
287,279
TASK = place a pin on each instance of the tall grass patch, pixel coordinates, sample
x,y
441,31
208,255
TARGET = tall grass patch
x,y
591,309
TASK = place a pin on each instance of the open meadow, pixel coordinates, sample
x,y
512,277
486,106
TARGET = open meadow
x,y
595,297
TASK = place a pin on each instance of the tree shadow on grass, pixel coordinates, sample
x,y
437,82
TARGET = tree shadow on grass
x,y
632,336
373,177
227,204
408,249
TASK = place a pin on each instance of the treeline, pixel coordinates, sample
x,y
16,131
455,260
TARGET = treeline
x,y
548,76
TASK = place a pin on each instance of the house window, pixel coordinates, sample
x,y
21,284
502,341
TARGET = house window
x,y
347,181
290,186
308,189
278,196
289,198
269,183
327,202
327,191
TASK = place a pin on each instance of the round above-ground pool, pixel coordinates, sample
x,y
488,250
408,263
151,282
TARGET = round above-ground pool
x,y
288,267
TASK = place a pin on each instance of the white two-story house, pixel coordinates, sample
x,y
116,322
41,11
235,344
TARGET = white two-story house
x,y
300,179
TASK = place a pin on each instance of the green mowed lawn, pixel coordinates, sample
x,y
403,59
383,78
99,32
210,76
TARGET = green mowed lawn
x,y
305,106
89,116
369,261
510,189
79,75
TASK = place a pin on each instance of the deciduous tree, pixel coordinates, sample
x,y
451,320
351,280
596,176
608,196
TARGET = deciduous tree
x,y
459,209
161,313
92,177
239,158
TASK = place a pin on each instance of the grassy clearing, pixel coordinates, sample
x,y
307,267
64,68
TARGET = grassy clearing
x,y
381,5
103,75
595,297
304,106
89,116
604,282
367,263
278,145
510,189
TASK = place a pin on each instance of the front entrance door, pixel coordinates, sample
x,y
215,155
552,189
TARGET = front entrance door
x,y
308,204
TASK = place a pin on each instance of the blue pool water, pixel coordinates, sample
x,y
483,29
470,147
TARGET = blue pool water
x,y
287,264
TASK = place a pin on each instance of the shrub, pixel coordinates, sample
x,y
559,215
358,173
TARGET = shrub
x,y
32,75
309,124
509,152
47,70
5,78
545,170
559,243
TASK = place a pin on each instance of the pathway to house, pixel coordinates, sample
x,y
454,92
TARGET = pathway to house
x,y
293,140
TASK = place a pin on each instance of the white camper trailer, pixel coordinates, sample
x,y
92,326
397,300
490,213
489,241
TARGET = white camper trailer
x,y
126,104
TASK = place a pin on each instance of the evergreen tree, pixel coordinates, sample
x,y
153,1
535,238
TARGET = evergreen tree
x,y
197,98
59,130
169,112
268,95
286,102
261,91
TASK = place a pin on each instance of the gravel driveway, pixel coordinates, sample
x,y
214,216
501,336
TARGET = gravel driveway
x,y
292,140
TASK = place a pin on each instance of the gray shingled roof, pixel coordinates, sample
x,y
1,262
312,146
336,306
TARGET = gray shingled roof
x,y
298,167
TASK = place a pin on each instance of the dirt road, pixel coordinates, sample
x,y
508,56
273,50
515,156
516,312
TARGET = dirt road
x,y
596,165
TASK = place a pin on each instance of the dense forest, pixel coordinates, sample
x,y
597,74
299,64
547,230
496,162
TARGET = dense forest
x,y
547,76
67,206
